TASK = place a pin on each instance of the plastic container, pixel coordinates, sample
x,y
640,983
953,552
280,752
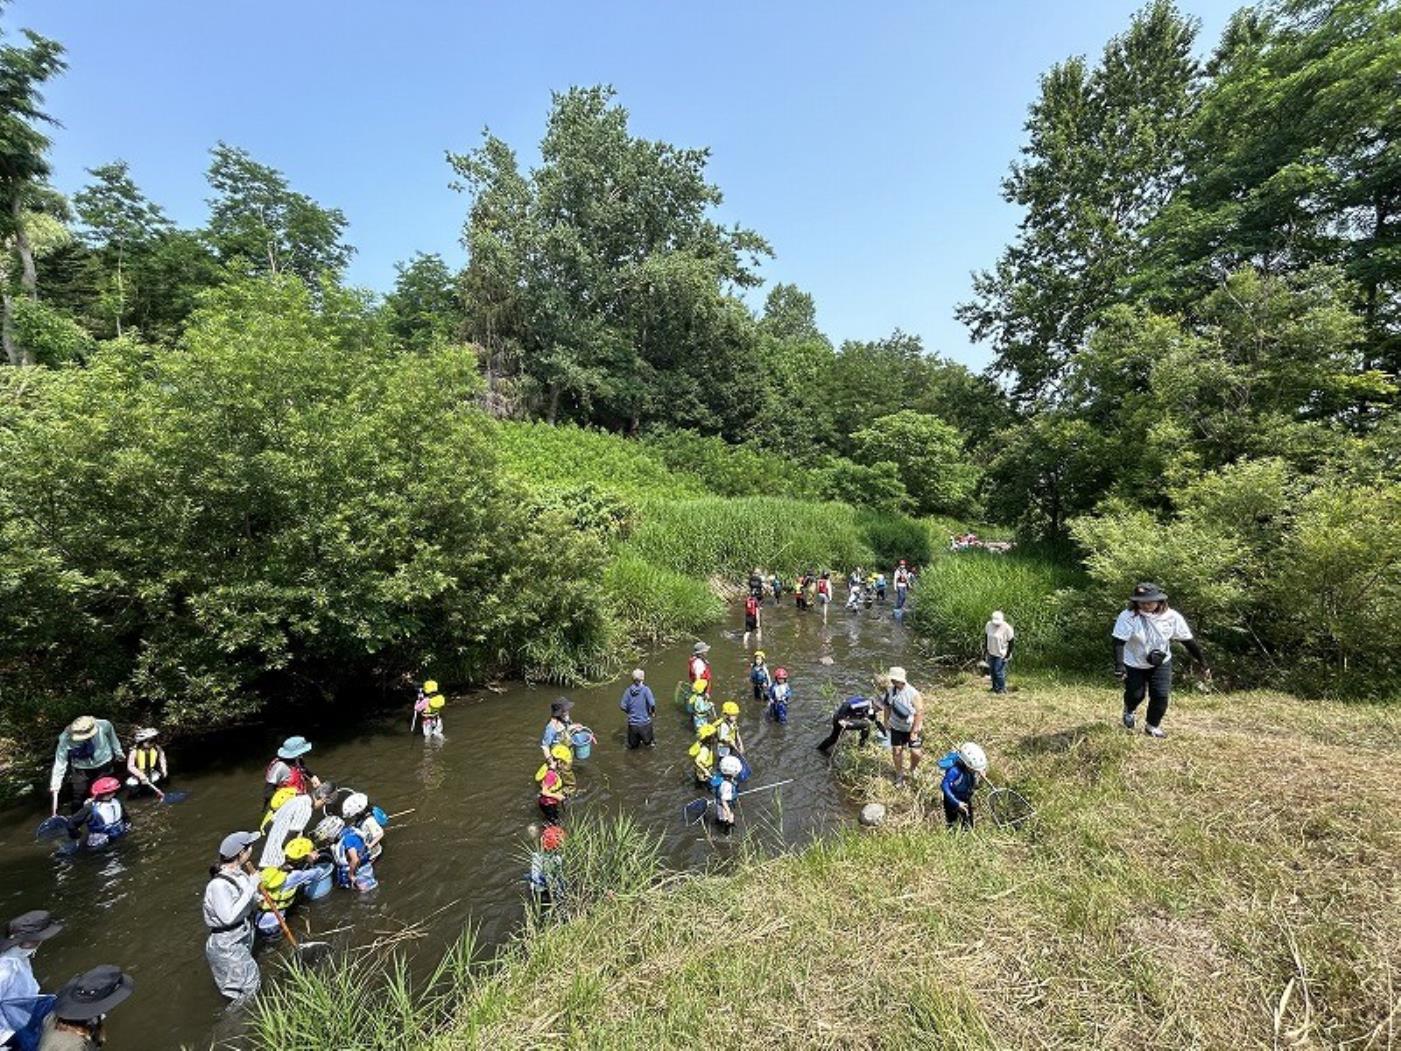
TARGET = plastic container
x,y
321,885
582,739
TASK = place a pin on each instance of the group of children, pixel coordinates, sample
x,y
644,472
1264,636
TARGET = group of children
x,y
563,741
88,757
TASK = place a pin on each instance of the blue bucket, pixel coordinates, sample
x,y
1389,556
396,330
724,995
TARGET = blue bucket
x,y
321,885
582,739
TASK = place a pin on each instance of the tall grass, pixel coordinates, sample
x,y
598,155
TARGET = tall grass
x,y
566,455
731,536
653,602
957,592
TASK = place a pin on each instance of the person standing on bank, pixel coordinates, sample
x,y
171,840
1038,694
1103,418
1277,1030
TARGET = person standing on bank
x,y
640,705
1143,637
87,750
904,715
999,641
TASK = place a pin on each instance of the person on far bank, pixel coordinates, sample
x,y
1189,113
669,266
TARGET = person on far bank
x,y
640,705
904,715
1143,637
999,640
88,750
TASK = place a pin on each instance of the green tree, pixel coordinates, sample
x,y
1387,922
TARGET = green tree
x,y
929,456
1104,152
1047,469
259,223
425,308
790,314
118,220
24,165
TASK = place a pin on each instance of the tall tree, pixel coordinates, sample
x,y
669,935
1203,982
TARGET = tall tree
x,y
117,219
1103,153
425,308
24,165
790,313
258,222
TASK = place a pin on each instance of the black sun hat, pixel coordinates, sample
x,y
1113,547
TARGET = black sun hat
x,y
93,993
36,926
1148,593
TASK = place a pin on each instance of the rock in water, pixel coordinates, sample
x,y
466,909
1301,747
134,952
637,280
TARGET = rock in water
x,y
873,815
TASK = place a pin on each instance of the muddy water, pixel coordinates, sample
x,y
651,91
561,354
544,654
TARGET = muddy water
x,y
457,859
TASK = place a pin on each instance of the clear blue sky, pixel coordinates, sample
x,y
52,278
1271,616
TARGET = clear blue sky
x,y
865,141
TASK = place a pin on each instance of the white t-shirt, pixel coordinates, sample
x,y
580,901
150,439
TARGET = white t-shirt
x,y
998,635
1142,633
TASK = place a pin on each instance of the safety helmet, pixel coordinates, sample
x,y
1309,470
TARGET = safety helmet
x,y
104,786
146,733
730,708
708,730
699,686
282,797
273,877
759,655
695,748
780,673
329,828
562,751
730,766
435,704
973,757
552,838
298,848
431,686
354,805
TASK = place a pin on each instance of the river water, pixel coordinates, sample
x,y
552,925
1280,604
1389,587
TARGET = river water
x,y
456,860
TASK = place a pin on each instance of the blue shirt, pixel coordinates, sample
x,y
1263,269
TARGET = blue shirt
x,y
958,784
639,703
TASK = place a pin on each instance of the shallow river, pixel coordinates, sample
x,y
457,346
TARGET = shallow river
x,y
457,859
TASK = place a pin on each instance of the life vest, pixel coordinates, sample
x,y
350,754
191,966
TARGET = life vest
x,y
759,674
282,897
296,777
106,819
147,758
83,750
751,606
704,763
700,669
779,693
824,586
552,787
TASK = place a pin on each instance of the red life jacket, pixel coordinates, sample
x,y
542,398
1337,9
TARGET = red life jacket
x,y
296,779
751,606
824,586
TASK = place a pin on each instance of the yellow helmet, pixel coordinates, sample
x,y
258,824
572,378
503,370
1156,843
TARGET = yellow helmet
x,y
759,655
299,848
706,731
694,749
730,708
435,704
273,877
431,686
562,751
699,686
282,797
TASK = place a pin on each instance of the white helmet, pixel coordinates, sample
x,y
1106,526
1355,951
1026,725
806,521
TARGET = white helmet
x,y
329,829
730,766
973,757
354,805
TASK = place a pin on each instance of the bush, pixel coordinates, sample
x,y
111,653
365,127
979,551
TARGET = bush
x,y
566,455
654,603
929,455
733,470
892,537
876,486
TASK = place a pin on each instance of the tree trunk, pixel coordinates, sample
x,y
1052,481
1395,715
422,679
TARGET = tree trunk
x,y
7,331
121,293
29,276
553,414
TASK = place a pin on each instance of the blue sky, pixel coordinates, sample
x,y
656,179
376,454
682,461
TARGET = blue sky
x,y
865,141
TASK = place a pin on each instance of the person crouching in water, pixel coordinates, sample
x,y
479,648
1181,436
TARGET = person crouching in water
x,y
759,677
101,819
725,792
283,884
702,753
230,899
854,713
779,695
968,768
145,762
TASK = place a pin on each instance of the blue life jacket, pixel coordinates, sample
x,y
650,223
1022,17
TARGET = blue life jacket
x,y
958,784
779,693
759,674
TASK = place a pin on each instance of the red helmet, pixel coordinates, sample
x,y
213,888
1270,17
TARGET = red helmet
x,y
103,785
780,673
552,838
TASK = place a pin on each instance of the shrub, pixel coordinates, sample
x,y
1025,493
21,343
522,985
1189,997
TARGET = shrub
x,y
653,602
929,455
892,537
876,486
733,470
544,456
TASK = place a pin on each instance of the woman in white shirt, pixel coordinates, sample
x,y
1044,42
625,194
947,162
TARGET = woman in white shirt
x,y
1143,638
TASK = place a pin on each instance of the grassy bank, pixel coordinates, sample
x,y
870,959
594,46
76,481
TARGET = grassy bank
x,y
1234,886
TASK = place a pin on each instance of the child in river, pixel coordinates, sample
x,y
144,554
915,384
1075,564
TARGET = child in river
x,y
759,676
433,718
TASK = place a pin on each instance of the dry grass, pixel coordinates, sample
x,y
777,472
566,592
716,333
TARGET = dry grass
x,y
1236,886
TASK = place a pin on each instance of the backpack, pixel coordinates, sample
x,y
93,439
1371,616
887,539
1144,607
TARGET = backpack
x,y
947,762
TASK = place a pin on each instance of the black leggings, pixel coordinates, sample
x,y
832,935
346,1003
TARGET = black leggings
x,y
863,727
1156,682
955,818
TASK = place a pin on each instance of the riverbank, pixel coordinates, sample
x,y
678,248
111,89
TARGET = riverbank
x,y
1233,886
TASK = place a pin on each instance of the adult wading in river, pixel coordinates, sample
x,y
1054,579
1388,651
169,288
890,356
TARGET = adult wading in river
x,y
230,901
87,750
640,705
1143,637
289,769
22,1008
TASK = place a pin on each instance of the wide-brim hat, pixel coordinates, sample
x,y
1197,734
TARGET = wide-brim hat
x,y
294,747
82,728
35,926
1148,593
561,706
896,674
699,648
93,993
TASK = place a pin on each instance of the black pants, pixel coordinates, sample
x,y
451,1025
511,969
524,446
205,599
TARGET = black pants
x,y
955,818
80,781
640,735
862,725
1156,682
